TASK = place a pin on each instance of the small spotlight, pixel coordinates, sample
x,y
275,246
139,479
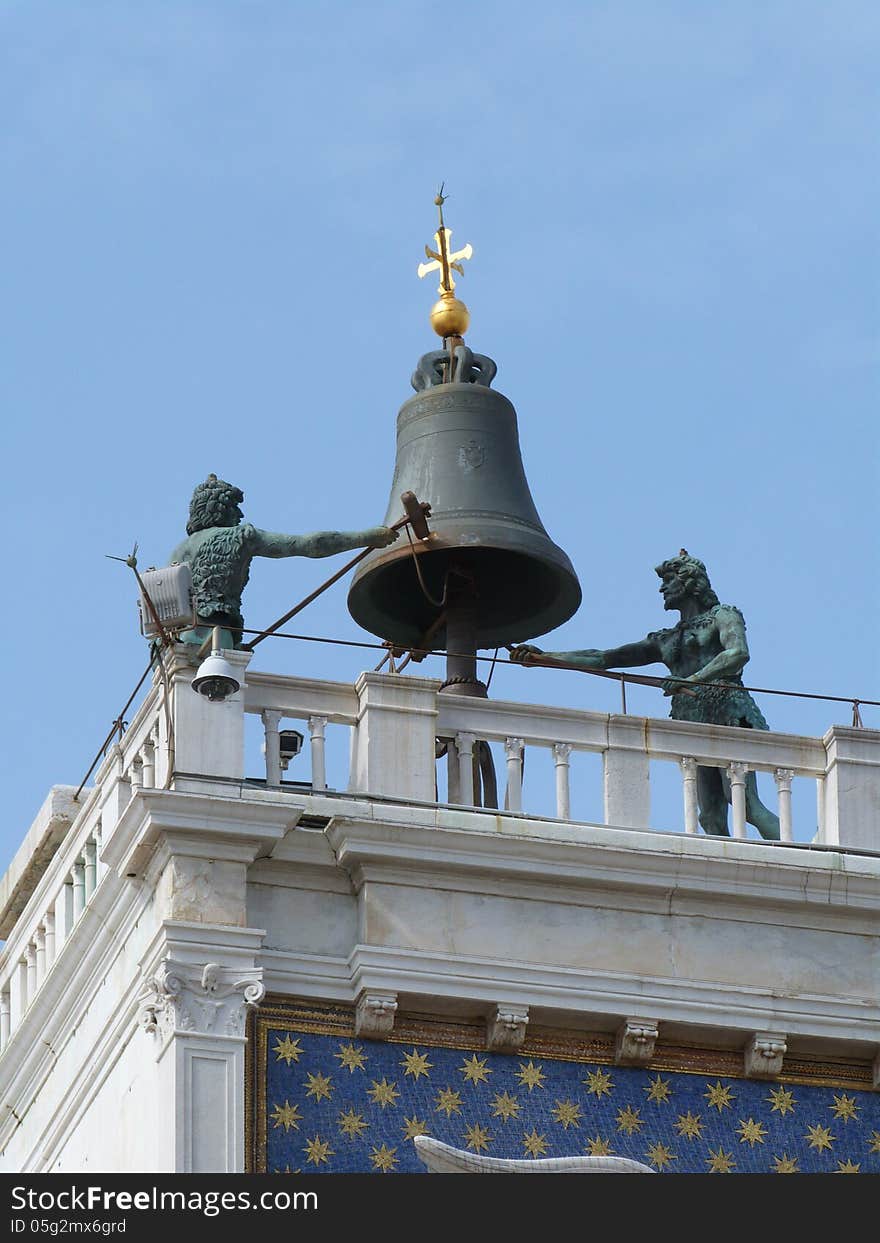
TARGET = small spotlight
x,y
216,678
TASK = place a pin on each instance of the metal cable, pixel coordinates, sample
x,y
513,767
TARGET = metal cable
x,y
615,675
117,726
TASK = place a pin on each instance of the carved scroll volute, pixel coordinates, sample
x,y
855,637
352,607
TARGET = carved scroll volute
x,y
214,1001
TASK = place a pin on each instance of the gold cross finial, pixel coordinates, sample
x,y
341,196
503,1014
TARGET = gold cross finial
x,y
449,316
442,259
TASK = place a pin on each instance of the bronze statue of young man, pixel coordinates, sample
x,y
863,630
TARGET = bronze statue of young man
x,y
707,645
219,549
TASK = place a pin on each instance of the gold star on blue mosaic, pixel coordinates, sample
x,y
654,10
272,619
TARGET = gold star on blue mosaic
x,y
720,1162
531,1076
414,1126
598,1083
448,1102
505,1106
319,1086
751,1132
781,1101
351,1057
477,1138
351,1098
719,1096
690,1125
416,1064
629,1120
318,1151
475,1070
534,1144
658,1154
567,1113
383,1158
658,1090
383,1093
819,1137
287,1050
845,1108
286,1115
352,1124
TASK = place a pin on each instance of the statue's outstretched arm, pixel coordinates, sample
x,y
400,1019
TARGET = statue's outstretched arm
x,y
734,654
318,543
644,652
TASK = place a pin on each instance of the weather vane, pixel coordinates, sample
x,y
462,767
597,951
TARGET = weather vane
x,y
449,317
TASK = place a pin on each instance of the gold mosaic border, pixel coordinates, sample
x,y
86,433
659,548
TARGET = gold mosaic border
x,y
326,1019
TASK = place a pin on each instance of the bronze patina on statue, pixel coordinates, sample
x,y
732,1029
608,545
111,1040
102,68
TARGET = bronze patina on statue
x,y
708,645
219,549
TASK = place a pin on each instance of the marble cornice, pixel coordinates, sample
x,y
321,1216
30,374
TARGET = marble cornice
x,y
528,857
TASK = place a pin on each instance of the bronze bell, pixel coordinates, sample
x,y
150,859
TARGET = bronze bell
x,y
458,449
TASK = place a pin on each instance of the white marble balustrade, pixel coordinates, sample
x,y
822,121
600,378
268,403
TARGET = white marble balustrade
x,y
627,746
50,919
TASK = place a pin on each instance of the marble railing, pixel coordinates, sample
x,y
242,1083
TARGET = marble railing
x,y
400,724
50,917
627,745
65,891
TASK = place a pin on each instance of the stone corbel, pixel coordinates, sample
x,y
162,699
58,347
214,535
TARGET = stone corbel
x,y
374,1013
506,1029
182,1000
634,1043
763,1055
875,1072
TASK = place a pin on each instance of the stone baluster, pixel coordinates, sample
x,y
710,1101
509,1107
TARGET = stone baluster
x,y
49,926
19,992
464,745
90,856
66,897
148,756
317,725
30,958
79,888
737,774
5,1018
271,720
513,748
820,809
689,785
783,778
136,772
40,954
453,792
561,753
100,866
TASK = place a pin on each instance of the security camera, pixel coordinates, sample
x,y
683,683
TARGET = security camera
x,y
216,678
291,741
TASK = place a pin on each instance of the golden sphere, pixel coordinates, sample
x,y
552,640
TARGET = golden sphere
x,y
450,317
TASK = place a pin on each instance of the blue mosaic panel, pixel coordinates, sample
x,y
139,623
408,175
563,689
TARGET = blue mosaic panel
x,y
340,1105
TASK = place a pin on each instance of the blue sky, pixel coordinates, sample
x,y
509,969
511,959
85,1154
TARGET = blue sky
x,y
212,214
